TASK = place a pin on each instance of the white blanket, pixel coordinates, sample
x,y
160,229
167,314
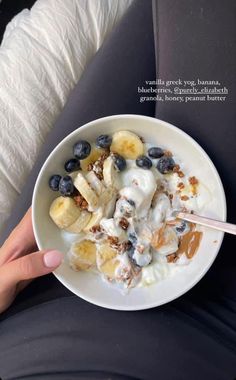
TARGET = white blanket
x,y
43,54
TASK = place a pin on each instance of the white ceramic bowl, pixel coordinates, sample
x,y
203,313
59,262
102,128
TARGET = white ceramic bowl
x,y
90,286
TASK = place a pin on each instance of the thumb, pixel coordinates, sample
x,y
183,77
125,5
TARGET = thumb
x,y
30,266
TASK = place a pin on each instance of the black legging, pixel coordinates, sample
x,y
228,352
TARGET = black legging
x,y
49,333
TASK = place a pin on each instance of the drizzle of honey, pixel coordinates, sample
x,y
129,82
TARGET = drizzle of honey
x,y
189,242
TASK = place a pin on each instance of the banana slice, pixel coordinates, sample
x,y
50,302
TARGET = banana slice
x,y
80,223
95,182
107,195
82,255
111,228
107,262
64,211
127,144
86,191
110,174
110,204
73,175
160,210
109,268
95,219
94,156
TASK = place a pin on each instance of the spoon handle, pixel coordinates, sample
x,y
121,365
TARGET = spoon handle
x,y
212,223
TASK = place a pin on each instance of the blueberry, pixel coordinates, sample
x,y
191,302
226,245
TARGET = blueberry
x,y
131,202
104,141
144,162
119,162
54,182
155,152
133,238
131,254
182,227
165,165
72,165
82,149
66,186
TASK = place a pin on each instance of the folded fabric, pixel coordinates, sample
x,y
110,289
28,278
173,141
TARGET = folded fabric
x,y
43,54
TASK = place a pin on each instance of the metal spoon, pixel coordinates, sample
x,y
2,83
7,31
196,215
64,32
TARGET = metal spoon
x,y
212,223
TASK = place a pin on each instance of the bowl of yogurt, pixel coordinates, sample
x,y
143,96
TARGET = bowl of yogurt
x,y
106,197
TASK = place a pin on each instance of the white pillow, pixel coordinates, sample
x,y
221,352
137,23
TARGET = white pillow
x,y
42,56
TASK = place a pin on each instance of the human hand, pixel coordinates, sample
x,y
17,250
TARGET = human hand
x,y
18,265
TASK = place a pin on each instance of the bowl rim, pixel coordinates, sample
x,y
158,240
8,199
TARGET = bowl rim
x,y
190,139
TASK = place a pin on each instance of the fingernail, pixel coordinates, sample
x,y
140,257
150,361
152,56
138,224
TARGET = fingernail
x,y
52,259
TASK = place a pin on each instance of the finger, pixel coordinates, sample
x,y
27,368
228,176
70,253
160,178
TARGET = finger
x,y
28,267
20,242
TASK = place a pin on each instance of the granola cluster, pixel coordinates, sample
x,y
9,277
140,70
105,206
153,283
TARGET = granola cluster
x,y
97,166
